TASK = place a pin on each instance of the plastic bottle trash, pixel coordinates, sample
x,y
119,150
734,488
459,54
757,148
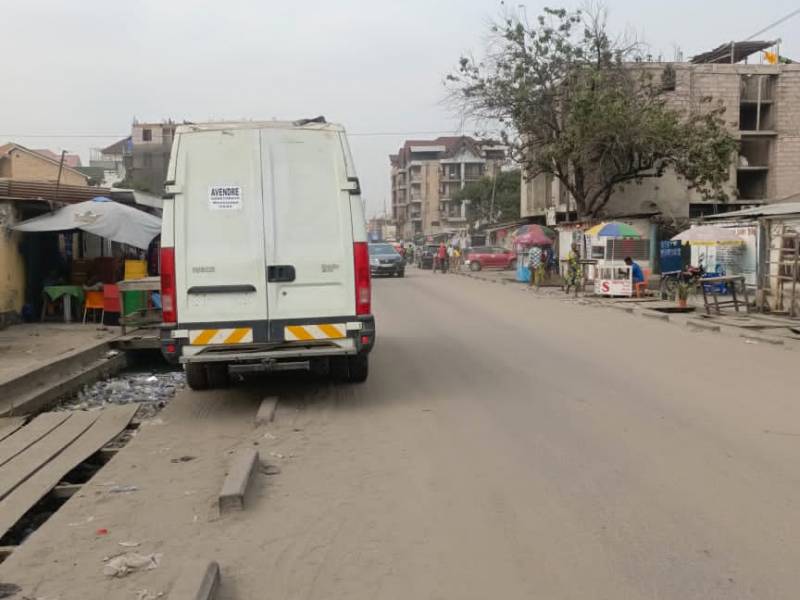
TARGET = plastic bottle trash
x,y
127,563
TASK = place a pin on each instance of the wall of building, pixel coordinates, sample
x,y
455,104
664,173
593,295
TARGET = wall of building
x,y
12,267
693,84
23,165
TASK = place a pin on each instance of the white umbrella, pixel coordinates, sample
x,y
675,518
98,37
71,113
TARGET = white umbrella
x,y
708,235
102,217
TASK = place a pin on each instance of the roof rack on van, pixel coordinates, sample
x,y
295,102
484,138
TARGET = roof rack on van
x,y
301,122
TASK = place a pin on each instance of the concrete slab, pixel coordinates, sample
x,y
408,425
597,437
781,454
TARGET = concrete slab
x,y
700,324
266,412
198,580
231,496
621,307
30,346
762,338
652,314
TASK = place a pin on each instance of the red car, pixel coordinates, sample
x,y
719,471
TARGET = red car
x,y
490,257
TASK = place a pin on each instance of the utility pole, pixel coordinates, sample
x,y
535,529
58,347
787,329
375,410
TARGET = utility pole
x,y
494,189
60,168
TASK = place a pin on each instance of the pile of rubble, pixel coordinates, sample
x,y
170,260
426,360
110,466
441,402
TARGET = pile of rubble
x,y
152,390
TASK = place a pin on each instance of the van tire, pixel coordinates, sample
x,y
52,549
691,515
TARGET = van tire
x,y
196,376
338,369
217,375
358,367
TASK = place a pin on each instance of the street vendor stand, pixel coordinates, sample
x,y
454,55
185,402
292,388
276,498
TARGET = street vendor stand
x,y
525,238
612,279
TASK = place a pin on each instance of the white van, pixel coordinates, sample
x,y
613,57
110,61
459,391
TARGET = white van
x,y
264,259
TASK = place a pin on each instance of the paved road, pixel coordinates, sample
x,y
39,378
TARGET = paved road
x,y
504,447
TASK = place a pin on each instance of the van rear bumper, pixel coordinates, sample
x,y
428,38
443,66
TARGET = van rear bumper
x,y
268,340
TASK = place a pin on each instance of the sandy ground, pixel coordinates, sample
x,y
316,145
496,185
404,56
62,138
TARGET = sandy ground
x,y
29,346
505,446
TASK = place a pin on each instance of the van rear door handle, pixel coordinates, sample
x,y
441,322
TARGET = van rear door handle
x,y
277,273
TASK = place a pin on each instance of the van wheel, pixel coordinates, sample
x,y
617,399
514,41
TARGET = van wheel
x,y
218,377
338,368
196,377
475,266
359,368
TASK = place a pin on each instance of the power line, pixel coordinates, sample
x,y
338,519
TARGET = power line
x,y
775,24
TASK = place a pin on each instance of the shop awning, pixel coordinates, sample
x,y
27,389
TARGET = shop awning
x,y
102,217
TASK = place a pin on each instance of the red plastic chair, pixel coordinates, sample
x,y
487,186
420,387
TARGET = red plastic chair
x,y
642,285
111,300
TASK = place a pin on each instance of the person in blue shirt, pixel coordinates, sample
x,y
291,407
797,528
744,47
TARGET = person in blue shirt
x,y
636,270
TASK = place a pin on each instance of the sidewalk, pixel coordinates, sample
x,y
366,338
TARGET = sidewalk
x,y
40,362
754,328
28,347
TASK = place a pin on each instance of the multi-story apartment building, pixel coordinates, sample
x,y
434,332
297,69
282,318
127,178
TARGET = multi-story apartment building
x,y
762,103
426,174
147,156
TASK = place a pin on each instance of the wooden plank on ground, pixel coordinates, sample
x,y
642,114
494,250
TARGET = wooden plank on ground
x,y
27,436
9,426
112,421
22,466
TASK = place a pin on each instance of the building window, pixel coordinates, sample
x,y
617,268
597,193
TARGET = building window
x,y
147,159
147,135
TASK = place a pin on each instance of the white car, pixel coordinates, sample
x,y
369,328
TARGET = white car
x,y
264,259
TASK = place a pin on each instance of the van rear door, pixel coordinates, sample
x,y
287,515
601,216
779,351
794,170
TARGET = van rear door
x,y
309,229
219,226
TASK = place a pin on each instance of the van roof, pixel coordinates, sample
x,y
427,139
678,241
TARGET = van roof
x,y
228,125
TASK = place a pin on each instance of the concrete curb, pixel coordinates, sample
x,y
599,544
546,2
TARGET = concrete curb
x,y
697,324
621,308
198,580
41,388
231,496
652,314
762,338
266,412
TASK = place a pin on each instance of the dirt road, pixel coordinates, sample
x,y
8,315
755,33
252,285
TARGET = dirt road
x,y
504,447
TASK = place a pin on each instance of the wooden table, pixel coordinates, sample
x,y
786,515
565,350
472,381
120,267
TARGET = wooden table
x,y
146,284
735,302
145,316
54,292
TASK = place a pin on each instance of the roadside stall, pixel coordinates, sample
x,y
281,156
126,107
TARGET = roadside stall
x,y
527,237
718,256
109,220
612,276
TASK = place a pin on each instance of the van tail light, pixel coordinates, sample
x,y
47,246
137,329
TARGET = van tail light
x,y
363,286
168,308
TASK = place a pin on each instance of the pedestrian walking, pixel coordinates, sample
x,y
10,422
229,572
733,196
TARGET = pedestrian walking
x,y
456,260
442,254
573,270
535,266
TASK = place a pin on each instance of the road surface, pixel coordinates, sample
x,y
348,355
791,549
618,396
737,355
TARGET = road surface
x,y
505,446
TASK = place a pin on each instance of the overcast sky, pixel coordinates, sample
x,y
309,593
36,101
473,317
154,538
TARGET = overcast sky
x,y
76,68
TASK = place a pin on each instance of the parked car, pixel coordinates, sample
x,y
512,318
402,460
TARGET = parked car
x,y
425,254
385,260
490,257
243,287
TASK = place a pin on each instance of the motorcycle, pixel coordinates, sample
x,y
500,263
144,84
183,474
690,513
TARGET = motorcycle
x,y
690,275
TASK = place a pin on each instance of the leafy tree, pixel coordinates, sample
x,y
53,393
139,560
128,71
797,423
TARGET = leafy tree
x,y
577,105
506,197
134,182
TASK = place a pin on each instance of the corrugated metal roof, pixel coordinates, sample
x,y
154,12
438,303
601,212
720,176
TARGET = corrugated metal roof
x,y
768,210
732,52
